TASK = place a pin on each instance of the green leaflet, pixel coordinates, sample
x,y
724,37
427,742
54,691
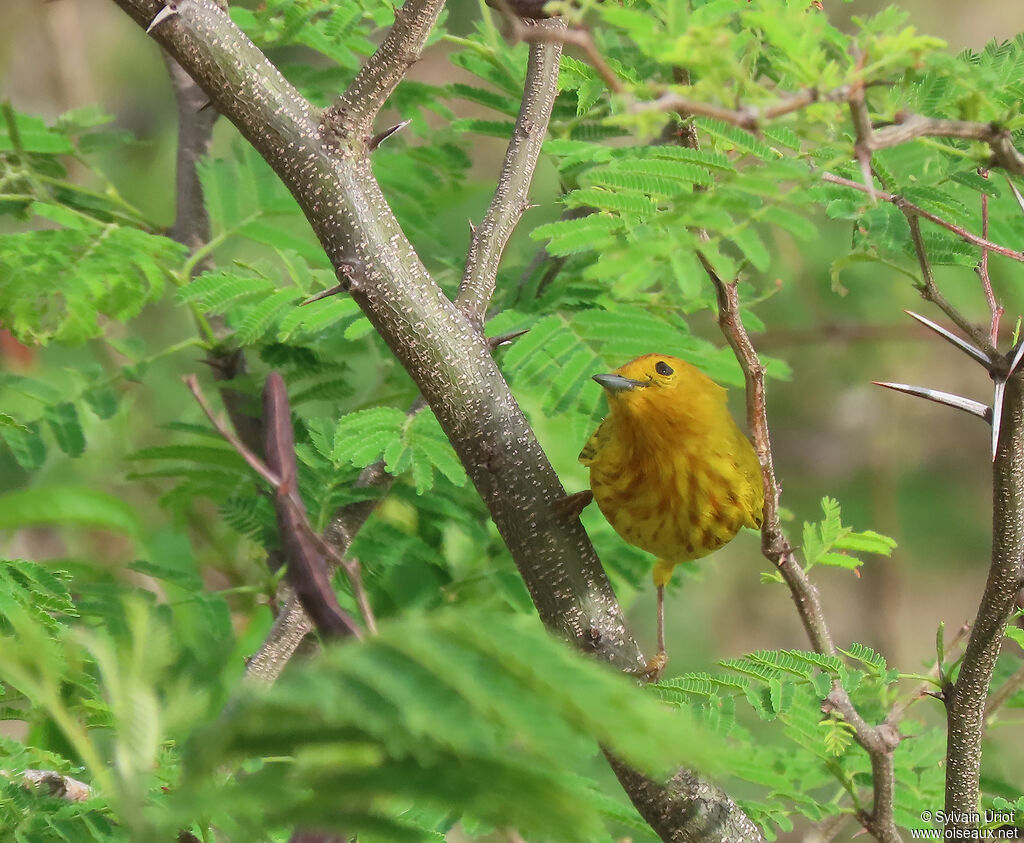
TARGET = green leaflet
x,y
104,272
448,708
822,540
413,444
66,506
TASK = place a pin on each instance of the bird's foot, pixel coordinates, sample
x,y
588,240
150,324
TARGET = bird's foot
x,y
656,666
651,672
570,507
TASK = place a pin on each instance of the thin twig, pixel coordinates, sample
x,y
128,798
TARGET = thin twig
x,y
899,708
353,115
907,206
861,120
1010,687
748,117
878,741
280,450
510,196
986,282
913,126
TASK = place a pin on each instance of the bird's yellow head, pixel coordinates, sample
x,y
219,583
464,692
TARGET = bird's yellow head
x,y
662,386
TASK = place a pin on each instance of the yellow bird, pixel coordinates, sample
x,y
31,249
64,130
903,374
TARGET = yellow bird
x,y
670,469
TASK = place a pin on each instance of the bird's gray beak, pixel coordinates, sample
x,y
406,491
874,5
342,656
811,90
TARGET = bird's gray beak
x,y
618,383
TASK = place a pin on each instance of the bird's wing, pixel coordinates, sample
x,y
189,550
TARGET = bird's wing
x,y
596,442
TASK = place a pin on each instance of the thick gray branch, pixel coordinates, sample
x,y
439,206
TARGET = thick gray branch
x,y
511,195
965,704
446,356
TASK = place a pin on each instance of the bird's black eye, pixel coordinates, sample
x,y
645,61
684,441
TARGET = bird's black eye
x,y
662,368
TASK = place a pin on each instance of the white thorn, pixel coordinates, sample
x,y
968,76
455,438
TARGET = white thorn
x,y
1016,359
997,414
168,11
957,402
1016,193
962,344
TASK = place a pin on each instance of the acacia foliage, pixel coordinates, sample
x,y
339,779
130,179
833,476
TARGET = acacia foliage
x,y
461,711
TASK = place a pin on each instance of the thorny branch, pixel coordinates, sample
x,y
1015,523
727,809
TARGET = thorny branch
x,y
878,741
966,698
447,358
486,248
577,36
353,115
511,194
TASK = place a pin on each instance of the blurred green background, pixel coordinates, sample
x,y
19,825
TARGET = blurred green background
x,y
912,470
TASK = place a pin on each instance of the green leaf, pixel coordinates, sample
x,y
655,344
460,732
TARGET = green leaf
x,y
66,428
102,400
32,135
478,713
822,539
360,438
258,319
215,292
866,656
622,202
66,506
26,443
736,138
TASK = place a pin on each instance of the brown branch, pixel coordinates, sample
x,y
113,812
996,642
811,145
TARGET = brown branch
x,y
576,37
910,127
510,196
353,115
748,117
862,129
304,550
191,228
965,702
56,784
878,741
982,269
307,568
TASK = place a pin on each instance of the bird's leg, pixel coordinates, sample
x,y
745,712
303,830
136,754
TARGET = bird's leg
x,y
571,506
656,666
